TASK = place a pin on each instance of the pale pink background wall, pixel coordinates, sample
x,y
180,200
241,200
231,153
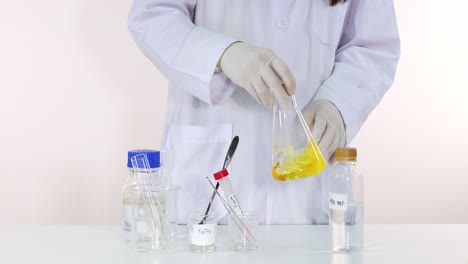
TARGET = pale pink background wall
x,y
76,94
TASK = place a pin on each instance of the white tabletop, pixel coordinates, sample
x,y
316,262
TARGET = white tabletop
x,y
278,244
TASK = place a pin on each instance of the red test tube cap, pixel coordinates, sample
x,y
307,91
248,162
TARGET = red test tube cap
x,y
221,174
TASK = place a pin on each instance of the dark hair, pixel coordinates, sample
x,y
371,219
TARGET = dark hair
x,y
335,2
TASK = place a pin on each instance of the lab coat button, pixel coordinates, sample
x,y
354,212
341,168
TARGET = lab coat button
x,y
283,22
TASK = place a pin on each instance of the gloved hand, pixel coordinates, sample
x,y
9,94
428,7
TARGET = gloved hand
x,y
327,126
258,71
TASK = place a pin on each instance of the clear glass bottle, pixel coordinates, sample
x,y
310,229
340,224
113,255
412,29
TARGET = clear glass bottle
x,y
346,215
132,200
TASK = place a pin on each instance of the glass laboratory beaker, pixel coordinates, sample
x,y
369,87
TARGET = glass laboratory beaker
x,y
202,231
156,220
242,232
295,152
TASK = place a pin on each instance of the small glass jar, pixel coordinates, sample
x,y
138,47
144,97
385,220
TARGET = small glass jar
x,y
202,229
242,232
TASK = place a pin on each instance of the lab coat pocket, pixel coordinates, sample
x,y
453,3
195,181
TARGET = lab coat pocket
x,y
197,153
329,21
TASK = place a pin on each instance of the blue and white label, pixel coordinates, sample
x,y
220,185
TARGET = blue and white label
x,y
338,202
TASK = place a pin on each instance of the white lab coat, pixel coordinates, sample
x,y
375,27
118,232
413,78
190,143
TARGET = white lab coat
x,y
346,54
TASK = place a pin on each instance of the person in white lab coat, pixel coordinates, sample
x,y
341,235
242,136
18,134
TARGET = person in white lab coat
x,y
222,57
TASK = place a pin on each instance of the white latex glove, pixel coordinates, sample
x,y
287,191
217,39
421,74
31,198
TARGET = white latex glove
x,y
327,127
259,71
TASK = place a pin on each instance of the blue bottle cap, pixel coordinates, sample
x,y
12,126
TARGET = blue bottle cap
x,y
154,157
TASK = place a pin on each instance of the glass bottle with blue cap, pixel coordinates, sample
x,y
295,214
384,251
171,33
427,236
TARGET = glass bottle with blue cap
x,y
131,206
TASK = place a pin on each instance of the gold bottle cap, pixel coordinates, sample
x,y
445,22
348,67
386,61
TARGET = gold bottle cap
x,y
346,154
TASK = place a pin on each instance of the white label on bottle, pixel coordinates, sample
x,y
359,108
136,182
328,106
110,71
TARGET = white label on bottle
x,y
338,201
235,204
141,227
130,216
203,235
127,218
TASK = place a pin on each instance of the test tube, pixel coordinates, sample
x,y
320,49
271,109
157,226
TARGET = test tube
x,y
229,194
236,218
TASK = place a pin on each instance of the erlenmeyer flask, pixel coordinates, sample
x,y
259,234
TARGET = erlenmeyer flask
x,y
295,152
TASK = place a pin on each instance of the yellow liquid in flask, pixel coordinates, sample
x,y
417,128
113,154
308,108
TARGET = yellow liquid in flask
x,y
309,162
